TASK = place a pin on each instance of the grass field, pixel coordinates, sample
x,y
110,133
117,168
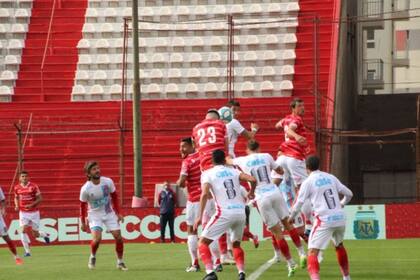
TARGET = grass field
x,y
377,259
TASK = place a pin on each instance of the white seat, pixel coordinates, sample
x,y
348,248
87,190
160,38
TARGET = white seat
x,y
269,55
160,42
176,58
118,43
289,38
268,71
142,42
96,89
146,12
18,28
174,73
214,57
85,59
115,89
102,44
267,86
254,8
88,28
82,75
286,85
287,70
4,13
153,88
171,88
250,56
127,12
165,11
293,7
107,28
212,72
158,57
289,54
247,86
193,73
91,13
236,9
219,9
143,58
274,8
83,44
210,87
195,57
11,60
5,90
197,42
178,42
155,74
103,59
271,39
100,75
183,10
7,76
110,13
191,87
217,41
248,72
22,13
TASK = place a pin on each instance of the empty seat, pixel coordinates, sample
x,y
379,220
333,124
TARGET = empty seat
x,y
82,75
293,7
274,8
165,11
158,58
22,13
212,72
287,70
252,40
7,76
96,89
5,90
115,89
289,54
267,86
155,74
171,88
103,59
254,8
200,10
269,55
195,57
197,42
286,85
217,41
85,59
83,44
178,42
160,42
176,58
247,86
248,72
250,56
146,12
236,9
127,12
214,57
183,10
106,29
91,15
193,73
11,60
4,15
191,87
174,73
289,38
219,10
153,88
271,39
110,13
102,44
210,87
268,71
100,75
143,58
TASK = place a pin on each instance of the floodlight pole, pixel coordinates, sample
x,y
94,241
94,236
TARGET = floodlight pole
x,y
137,141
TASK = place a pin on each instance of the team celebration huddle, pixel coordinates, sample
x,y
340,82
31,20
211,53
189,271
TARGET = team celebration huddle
x,y
290,193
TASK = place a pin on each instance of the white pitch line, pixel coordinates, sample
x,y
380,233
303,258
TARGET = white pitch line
x,y
257,273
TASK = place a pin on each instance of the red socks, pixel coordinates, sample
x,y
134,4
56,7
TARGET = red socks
x,y
11,246
343,260
119,248
274,242
205,255
313,267
239,256
223,244
294,235
247,233
284,248
94,247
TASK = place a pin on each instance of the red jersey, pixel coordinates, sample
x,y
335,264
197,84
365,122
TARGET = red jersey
x,y
209,135
191,169
290,147
27,195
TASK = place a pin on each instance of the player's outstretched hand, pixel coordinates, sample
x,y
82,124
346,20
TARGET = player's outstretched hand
x,y
197,224
255,127
120,218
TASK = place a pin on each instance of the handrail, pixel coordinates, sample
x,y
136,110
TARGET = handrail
x,y
45,49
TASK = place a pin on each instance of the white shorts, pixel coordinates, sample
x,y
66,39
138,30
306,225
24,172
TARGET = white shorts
x,y
208,212
233,224
293,167
29,219
272,208
3,227
298,221
98,220
321,235
192,211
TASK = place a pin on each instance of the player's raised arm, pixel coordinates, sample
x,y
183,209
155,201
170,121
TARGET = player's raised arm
x,y
252,181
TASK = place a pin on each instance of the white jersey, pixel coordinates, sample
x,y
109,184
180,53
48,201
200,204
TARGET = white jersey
x,y
225,188
258,165
234,129
323,190
98,196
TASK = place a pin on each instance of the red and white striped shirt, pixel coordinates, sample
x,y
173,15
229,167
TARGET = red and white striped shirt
x,y
209,135
26,196
191,169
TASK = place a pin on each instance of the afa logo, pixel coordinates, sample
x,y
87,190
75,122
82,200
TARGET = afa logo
x,y
366,224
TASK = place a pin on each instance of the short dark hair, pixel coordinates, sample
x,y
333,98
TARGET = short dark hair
x,y
89,165
295,101
232,103
218,157
253,145
312,162
187,140
23,172
213,111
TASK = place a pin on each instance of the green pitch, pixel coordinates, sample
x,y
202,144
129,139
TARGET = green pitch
x,y
378,259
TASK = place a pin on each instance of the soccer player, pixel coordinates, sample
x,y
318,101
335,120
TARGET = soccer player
x,y
3,229
189,178
322,190
210,135
270,202
235,128
99,204
294,150
223,183
27,199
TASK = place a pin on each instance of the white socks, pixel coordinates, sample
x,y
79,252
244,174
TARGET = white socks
x,y
193,247
301,251
346,277
25,242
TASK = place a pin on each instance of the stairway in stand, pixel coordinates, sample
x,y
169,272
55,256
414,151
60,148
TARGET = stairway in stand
x,y
61,56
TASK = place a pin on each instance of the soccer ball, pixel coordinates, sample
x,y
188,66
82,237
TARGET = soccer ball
x,y
225,114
